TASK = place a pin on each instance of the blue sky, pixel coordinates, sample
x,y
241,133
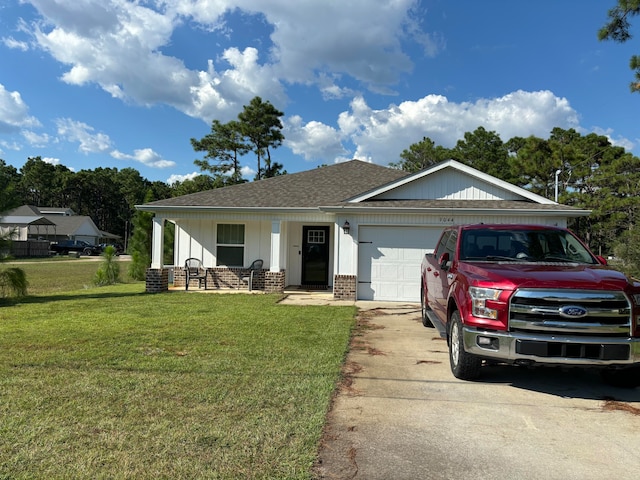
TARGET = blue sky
x,y
116,83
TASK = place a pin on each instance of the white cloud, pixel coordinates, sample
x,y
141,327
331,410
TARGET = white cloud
x,y
11,42
381,135
14,113
146,156
9,146
82,133
181,178
52,161
35,139
313,140
618,142
119,45
248,172
358,38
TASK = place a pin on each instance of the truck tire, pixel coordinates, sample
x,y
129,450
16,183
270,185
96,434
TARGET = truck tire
x,y
425,318
463,365
623,378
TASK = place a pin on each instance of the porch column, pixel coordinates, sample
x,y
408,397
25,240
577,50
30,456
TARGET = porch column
x,y
274,261
157,242
345,279
274,278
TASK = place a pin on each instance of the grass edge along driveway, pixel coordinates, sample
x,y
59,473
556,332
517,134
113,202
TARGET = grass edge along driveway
x,y
115,383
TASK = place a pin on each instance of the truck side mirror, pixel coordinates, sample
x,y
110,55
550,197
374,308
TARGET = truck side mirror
x,y
602,260
444,260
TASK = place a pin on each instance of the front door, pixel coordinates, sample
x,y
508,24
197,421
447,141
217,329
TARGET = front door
x,y
315,257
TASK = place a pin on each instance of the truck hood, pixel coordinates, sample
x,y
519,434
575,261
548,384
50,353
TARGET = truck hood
x,y
512,275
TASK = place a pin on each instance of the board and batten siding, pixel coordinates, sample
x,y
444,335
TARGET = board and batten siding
x,y
197,238
449,185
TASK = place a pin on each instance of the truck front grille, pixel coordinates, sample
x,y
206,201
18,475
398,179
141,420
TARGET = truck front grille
x,y
575,312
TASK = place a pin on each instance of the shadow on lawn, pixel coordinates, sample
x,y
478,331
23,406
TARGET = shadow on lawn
x,y
34,299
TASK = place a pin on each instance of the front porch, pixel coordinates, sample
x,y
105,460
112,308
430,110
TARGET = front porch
x,y
296,252
229,279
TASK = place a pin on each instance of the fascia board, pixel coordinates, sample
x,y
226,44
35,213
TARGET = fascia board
x,y
409,210
205,209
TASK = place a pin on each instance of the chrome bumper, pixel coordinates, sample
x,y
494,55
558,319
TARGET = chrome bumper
x,y
526,348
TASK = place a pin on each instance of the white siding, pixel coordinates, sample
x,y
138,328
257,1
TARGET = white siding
x,y
197,238
449,185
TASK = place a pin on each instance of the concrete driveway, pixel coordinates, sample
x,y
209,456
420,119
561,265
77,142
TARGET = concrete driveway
x,y
400,414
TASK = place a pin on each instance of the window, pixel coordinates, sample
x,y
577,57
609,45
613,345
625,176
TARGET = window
x,y
230,245
443,244
315,236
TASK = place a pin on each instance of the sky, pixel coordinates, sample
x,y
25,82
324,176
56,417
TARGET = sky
x,y
127,84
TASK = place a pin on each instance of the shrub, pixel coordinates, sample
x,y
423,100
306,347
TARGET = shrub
x,y
13,281
109,271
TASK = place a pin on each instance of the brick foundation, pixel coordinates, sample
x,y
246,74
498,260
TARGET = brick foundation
x,y
344,287
274,282
224,277
157,280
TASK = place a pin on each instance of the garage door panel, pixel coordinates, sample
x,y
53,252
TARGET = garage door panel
x,y
389,261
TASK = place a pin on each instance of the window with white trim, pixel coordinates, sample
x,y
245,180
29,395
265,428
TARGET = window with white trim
x,y
230,244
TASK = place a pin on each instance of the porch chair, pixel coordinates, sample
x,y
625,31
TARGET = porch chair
x,y
193,269
247,273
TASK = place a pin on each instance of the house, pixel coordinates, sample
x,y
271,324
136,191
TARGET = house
x,y
61,224
355,227
20,227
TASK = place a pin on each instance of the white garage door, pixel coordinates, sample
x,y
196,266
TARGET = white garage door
x,y
389,261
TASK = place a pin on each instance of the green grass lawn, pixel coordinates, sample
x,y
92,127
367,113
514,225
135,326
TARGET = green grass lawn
x,y
112,382
62,274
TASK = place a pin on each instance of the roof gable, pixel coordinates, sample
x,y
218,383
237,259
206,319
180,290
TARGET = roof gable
x,y
74,225
24,211
450,180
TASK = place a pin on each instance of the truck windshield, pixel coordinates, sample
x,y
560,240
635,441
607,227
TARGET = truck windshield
x,y
523,245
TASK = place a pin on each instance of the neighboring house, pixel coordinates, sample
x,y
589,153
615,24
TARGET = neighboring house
x,y
18,227
61,224
358,228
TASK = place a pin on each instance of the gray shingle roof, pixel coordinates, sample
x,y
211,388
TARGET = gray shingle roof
x,y
328,185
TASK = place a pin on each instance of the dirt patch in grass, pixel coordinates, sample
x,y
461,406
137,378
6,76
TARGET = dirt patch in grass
x,y
611,405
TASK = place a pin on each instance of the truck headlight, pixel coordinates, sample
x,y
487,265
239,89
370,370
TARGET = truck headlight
x,y
479,297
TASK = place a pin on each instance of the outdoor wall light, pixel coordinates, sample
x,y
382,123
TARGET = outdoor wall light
x,y
346,227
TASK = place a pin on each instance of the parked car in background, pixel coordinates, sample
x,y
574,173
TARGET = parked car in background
x,y
64,247
119,248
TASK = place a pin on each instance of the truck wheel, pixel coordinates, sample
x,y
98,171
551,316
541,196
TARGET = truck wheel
x,y
463,365
623,378
425,318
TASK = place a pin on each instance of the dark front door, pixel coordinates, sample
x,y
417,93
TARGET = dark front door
x,y
315,256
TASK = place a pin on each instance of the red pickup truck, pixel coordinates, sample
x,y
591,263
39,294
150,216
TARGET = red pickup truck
x,y
530,295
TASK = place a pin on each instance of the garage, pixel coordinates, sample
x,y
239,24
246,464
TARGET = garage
x,y
389,261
